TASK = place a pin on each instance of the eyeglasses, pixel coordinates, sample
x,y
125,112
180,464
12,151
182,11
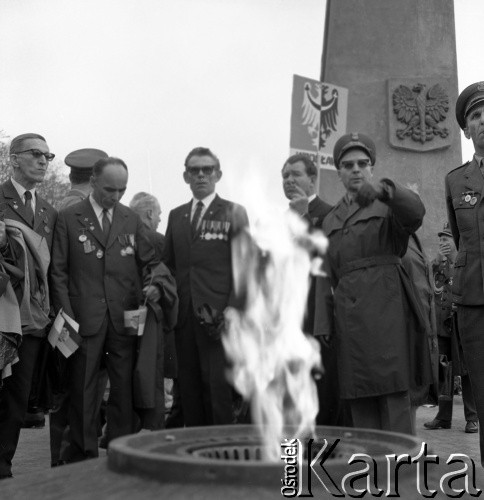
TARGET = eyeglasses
x,y
36,153
206,170
350,164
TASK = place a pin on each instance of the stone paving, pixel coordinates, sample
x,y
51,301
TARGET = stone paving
x,y
33,451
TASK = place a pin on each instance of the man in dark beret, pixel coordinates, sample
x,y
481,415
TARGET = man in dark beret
x,y
81,162
26,229
463,191
377,323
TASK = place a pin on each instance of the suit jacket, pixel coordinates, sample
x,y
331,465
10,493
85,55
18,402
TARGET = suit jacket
x,y
44,221
92,277
317,211
464,187
202,264
45,214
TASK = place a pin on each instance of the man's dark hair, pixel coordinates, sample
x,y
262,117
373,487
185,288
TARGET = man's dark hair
x,y
200,151
79,177
311,169
103,162
17,142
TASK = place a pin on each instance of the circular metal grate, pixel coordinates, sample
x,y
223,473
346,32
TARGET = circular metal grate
x,y
253,451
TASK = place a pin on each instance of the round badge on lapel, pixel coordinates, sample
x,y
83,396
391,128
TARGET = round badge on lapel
x,y
99,254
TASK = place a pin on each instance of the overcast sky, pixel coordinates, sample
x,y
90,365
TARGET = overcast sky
x,y
147,80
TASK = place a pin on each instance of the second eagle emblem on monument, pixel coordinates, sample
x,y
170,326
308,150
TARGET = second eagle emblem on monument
x,y
423,109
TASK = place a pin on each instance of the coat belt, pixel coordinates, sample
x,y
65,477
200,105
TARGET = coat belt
x,y
377,260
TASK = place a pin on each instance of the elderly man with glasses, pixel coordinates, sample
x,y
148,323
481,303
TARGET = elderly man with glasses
x,y
26,225
198,251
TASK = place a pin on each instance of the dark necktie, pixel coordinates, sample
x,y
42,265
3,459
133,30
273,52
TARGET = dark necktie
x,y
196,217
106,224
28,207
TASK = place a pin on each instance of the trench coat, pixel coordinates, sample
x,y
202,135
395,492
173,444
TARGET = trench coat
x,y
379,330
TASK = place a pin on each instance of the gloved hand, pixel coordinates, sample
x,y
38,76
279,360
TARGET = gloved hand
x,y
368,193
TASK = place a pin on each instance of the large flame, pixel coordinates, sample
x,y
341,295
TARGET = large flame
x,y
272,359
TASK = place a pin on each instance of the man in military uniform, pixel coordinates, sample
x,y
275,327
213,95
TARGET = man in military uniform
x,y
81,163
449,344
464,187
25,241
379,332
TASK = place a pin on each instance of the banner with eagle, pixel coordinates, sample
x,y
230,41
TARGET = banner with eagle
x,y
318,119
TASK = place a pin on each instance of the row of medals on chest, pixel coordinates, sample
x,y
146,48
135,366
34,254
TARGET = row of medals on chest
x,y
214,230
469,197
126,241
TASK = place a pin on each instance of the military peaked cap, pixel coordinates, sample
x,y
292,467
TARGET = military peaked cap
x,y
83,160
354,141
469,98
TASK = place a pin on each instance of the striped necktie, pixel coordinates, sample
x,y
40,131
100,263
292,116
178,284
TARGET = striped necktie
x,y
196,217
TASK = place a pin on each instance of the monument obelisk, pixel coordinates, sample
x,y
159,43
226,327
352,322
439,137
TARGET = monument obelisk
x,y
398,60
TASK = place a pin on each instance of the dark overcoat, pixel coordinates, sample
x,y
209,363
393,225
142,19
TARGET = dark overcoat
x,y
380,334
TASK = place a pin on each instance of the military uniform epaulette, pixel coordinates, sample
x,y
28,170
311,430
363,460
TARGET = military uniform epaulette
x,y
458,168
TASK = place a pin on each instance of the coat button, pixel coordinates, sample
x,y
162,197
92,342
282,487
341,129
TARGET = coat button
x,y
346,231
103,300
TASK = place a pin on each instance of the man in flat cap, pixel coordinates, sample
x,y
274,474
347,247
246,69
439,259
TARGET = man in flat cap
x,y
25,242
464,188
81,163
450,350
375,314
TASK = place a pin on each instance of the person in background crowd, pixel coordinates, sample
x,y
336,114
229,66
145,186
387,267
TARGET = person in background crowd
x,y
101,264
463,192
25,241
450,349
417,265
81,163
151,410
198,251
299,182
378,325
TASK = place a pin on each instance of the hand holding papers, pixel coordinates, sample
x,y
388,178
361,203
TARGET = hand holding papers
x,y
64,334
